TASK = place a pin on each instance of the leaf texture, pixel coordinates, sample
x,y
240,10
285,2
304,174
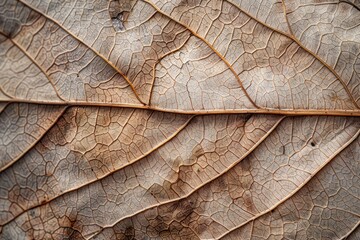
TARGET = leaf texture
x,y
184,119
22,125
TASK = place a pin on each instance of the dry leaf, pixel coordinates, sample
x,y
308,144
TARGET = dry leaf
x,y
184,119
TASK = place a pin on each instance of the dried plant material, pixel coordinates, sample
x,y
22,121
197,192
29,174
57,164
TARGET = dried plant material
x,y
146,119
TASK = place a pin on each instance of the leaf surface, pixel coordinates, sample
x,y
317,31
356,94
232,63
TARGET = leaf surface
x,y
204,119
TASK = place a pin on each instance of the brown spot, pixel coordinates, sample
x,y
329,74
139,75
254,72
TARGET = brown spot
x,y
44,201
222,183
156,226
245,164
161,227
184,210
248,202
9,27
62,133
68,225
201,228
129,233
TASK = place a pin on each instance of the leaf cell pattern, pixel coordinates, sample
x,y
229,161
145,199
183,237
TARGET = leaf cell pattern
x,y
184,119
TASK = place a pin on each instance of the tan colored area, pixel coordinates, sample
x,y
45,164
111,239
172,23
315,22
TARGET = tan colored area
x,y
213,119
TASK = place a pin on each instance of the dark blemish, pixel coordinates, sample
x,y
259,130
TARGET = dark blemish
x,y
68,223
118,21
249,203
186,209
119,12
32,213
77,75
161,227
158,226
312,144
222,183
129,233
282,150
71,233
201,228
9,27
245,165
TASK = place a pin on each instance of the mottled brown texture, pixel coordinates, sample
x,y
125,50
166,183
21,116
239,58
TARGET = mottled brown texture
x,y
179,119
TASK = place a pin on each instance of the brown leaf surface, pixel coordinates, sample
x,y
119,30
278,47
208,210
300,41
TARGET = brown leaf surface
x,y
22,125
184,119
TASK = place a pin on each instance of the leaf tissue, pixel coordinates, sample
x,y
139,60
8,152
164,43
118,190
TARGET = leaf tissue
x,y
179,119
